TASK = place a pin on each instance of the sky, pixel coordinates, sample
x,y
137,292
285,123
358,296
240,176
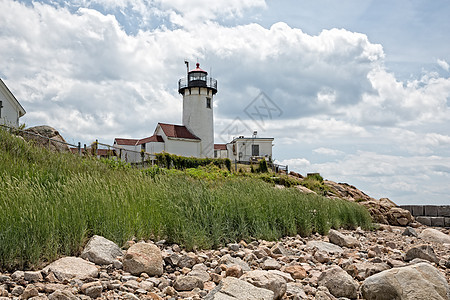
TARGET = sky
x,y
356,90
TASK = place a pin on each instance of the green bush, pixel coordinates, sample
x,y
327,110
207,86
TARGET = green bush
x,y
168,161
263,166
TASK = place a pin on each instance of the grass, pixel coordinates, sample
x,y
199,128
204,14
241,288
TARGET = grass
x,y
51,203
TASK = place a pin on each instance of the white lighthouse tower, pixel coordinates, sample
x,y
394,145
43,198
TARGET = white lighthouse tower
x,y
198,91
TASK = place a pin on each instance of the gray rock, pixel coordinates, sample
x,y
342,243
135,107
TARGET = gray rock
x,y
230,261
67,268
233,247
339,282
32,276
342,240
295,291
433,235
92,289
101,251
200,271
231,288
419,281
187,283
324,246
271,264
143,258
62,295
30,291
17,290
17,275
423,251
409,231
267,280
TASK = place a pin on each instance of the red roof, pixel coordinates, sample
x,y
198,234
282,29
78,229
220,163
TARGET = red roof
x,y
220,146
198,69
128,142
177,131
153,138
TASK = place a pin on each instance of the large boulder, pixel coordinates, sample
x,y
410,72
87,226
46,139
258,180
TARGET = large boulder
x,y
187,283
435,236
101,251
46,132
339,282
325,247
419,281
399,217
143,258
342,240
231,288
267,280
67,268
423,251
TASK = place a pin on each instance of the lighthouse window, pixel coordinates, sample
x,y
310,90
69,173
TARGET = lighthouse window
x,y
208,102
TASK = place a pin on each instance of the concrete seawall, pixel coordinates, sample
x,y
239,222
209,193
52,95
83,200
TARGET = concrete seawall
x,y
430,215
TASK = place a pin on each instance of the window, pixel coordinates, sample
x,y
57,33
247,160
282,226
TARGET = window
x,y
208,102
1,106
255,150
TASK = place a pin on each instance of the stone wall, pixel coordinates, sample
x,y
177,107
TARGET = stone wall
x,y
430,215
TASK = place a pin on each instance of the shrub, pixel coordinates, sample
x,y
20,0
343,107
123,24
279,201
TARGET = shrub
x,y
263,166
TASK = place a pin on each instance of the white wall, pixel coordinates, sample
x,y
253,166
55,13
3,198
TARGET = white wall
x,y
9,113
244,145
199,119
183,147
130,157
154,147
220,153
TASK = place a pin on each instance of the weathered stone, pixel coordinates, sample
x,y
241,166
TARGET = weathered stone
x,y
271,264
324,246
295,291
92,289
101,251
230,261
409,231
187,261
17,275
296,271
267,280
62,295
187,283
339,283
143,257
67,268
30,291
433,235
419,281
17,290
231,288
200,271
342,240
234,271
399,217
423,251
47,132
32,276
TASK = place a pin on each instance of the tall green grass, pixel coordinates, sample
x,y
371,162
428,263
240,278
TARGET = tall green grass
x,y
51,203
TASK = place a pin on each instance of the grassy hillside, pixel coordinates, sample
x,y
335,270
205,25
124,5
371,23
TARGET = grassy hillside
x,y
52,203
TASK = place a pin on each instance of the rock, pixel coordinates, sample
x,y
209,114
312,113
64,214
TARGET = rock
x,y
187,283
143,257
32,276
17,290
342,240
187,261
67,268
399,217
17,275
47,132
200,271
271,264
30,291
267,280
409,231
231,288
62,295
230,261
323,294
324,246
233,247
304,189
101,251
296,271
433,235
362,270
234,271
295,291
339,282
92,289
419,281
423,251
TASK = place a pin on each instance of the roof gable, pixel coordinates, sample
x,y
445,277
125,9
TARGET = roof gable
x,y
220,146
126,142
8,95
177,131
153,138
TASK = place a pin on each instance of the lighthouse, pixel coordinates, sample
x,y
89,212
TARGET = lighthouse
x,y
198,90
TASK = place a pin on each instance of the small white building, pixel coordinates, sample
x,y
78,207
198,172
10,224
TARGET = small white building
x,y
10,108
245,149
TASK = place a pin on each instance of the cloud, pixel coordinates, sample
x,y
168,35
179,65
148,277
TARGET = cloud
x,y
328,151
443,64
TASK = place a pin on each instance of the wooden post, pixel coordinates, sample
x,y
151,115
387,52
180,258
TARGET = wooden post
x,y
96,148
79,148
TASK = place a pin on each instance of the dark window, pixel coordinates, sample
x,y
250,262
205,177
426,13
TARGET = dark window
x,y
208,102
255,150
215,153
143,147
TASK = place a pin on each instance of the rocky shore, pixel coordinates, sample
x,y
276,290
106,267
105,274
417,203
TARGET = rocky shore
x,y
389,263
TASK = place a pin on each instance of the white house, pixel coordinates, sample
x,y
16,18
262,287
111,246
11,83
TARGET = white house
x,y
195,137
10,108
